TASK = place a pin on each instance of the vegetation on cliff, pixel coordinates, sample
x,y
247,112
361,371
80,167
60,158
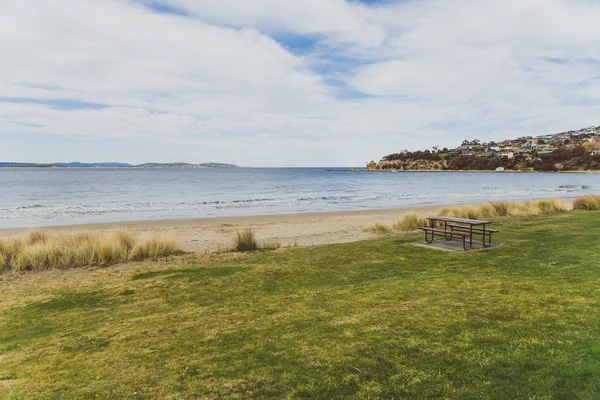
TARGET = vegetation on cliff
x,y
567,151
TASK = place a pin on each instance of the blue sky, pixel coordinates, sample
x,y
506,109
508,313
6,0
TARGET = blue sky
x,y
288,83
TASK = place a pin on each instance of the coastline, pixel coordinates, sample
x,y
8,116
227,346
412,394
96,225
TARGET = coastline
x,y
213,233
473,170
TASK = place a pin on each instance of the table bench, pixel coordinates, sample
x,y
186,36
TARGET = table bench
x,y
461,228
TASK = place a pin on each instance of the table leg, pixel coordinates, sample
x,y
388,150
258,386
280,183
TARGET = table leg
x,y
471,236
483,236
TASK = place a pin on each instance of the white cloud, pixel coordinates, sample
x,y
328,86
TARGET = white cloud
x,y
336,20
215,84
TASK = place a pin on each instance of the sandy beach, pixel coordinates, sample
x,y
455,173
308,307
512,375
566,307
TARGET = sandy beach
x,y
209,234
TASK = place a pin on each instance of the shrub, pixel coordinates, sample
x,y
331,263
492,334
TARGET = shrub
x,y
587,203
245,241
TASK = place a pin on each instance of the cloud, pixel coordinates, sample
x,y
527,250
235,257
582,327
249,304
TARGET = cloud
x,y
278,82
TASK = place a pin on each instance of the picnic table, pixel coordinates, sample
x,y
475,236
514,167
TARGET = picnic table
x,y
459,228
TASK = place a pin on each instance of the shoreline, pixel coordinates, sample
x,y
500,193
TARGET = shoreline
x,y
473,170
302,229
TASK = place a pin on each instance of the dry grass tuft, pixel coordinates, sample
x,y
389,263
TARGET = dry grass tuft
x,y
495,209
505,209
245,241
379,229
155,247
36,236
39,250
587,203
410,222
551,206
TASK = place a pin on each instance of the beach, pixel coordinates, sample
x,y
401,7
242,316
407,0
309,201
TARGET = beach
x,y
217,233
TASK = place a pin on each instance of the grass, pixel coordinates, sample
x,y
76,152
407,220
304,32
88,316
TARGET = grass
x,y
374,319
379,229
410,222
504,209
587,203
246,241
40,251
498,209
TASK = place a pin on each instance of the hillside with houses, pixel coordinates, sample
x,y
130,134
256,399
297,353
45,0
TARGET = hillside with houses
x,y
566,151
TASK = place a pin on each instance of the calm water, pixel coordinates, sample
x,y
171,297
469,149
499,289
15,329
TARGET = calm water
x,y
43,197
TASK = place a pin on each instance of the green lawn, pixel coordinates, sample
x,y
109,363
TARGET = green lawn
x,y
375,319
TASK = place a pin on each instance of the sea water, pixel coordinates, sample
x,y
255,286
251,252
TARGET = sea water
x,y
65,196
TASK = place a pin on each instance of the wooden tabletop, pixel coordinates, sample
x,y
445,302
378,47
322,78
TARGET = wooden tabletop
x,y
460,220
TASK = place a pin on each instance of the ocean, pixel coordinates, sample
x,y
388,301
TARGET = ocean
x,y
68,196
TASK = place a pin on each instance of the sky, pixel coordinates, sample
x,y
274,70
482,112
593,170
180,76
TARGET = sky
x,y
286,82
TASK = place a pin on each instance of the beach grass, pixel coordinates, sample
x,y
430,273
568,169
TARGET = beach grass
x,y
245,241
379,229
410,222
374,319
505,209
39,250
587,203
493,209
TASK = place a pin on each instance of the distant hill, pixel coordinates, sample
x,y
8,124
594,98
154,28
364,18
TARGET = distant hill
x,y
101,164
185,165
116,165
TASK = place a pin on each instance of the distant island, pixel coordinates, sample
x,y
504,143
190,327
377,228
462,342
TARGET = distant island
x,y
565,151
115,165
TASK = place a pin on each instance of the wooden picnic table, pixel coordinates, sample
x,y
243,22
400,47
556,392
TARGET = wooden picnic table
x,y
463,228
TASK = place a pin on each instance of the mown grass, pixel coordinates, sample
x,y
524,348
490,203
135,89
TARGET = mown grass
x,y
39,250
375,319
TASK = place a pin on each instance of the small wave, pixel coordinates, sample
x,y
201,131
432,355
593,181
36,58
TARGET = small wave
x,y
30,207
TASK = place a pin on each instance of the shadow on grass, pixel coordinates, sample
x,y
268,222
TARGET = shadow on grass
x,y
193,274
71,300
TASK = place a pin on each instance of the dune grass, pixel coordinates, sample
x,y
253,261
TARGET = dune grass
x,y
379,229
505,209
410,222
587,203
493,209
374,319
246,241
39,250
